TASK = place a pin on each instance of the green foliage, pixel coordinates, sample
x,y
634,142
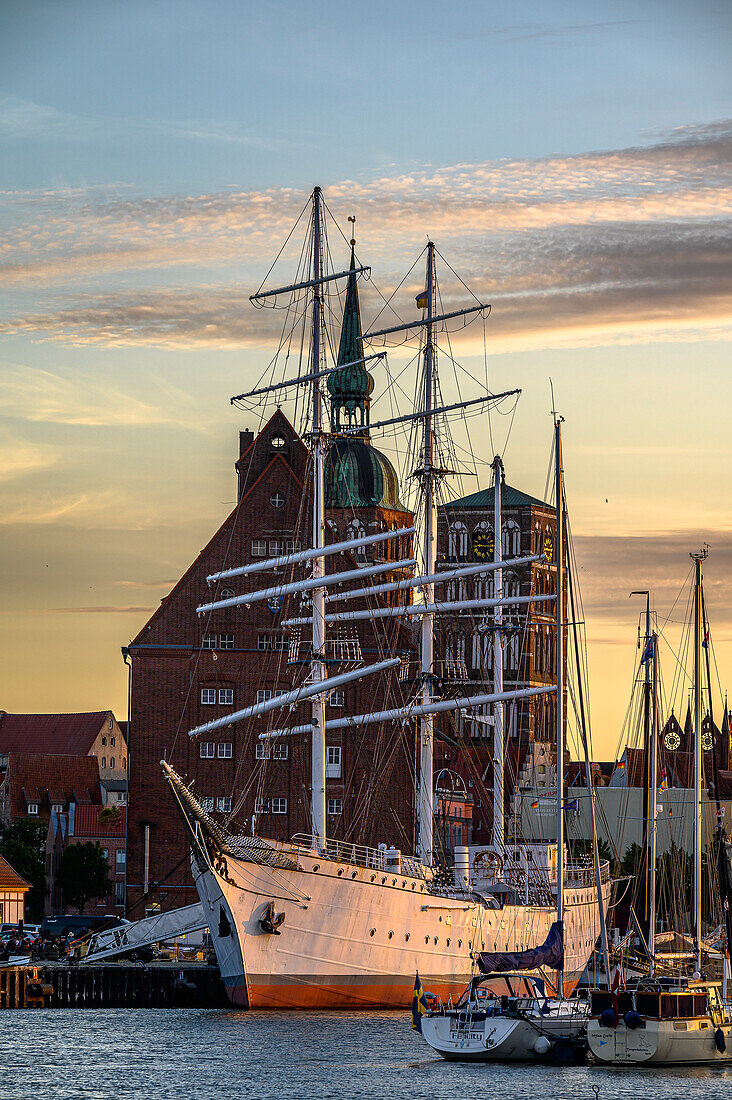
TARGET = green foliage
x,y
634,860
23,843
83,874
582,849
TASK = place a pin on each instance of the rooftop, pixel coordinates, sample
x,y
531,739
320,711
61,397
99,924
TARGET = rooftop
x,y
510,498
10,879
70,734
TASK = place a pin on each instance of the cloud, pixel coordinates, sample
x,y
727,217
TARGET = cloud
x,y
18,457
615,246
37,395
145,584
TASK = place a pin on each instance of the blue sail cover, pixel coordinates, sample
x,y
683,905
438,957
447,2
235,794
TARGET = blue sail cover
x,y
551,953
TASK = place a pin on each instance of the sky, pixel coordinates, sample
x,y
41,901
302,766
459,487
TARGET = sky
x,y
572,162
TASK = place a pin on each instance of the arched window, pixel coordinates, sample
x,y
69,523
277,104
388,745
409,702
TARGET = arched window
x,y
537,538
511,585
548,547
513,651
539,650
356,530
511,539
457,541
483,586
482,650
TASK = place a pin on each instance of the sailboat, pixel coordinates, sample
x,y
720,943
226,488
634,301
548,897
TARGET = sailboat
x,y
316,922
665,1019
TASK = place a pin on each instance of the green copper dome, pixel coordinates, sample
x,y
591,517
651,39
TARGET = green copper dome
x,y
359,476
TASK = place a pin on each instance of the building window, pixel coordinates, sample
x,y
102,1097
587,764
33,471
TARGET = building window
x,y
104,740
457,541
207,750
336,698
124,763
105,853
120,860
208,697
279,805
276,548
227,594
278,643
356,530
277,500
111,723
280,752
335,806
121,796
259,548
104,761
225,750
261,805
292,546
209,641
333,762
226,641
111,741
264,695
223,805
207,805
264,641
261,751
57,807
278,442
119,893
111,761
33,809
226,697
511,539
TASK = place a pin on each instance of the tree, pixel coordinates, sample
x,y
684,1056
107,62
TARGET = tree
x,y
83,874
582,849
23,843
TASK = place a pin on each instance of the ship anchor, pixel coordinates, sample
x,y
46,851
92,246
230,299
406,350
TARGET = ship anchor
x,y
270,920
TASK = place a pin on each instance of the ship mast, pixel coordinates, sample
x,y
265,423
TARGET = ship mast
x,y
498,709
559,543
318,671
427,722
698,808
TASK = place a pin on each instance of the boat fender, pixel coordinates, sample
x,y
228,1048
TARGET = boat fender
x,y
542,1046
608,1017
719,1040
270,920
633,1020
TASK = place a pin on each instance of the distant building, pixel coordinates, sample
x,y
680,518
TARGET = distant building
x,y
105,826
13,889
93,733
35,785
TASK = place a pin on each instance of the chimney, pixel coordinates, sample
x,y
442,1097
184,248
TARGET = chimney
x,y
246,438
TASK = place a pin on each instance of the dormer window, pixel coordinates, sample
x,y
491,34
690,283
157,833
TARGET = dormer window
x,y
33,809
57,807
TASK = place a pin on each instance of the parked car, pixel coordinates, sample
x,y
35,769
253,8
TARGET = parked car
x,y
61,925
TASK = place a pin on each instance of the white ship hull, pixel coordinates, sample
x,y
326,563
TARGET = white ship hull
x,y
353,936
531,1037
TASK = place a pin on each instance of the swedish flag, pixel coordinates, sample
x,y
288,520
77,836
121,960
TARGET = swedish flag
x,y
419,1005
422,299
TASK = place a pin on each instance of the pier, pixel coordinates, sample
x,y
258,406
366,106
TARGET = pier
x,y
114,985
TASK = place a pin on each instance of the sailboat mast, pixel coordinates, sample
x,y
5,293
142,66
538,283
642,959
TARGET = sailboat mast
x,y
559,555
653,822
498,709
318,670
698,808
426,729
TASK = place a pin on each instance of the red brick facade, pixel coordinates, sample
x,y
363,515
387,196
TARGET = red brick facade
x,y
188,670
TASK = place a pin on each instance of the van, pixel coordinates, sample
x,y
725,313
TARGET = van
x,y
60,925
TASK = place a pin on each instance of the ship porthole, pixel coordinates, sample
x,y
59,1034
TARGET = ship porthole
x,y
373,877
316,866
412,885
460,943
354,874
373,930
404,886
393,882
391,935
426,939
406,936
340,870
435,939
383,880
447,942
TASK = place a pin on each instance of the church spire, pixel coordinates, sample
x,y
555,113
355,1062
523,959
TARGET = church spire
x,y
351,388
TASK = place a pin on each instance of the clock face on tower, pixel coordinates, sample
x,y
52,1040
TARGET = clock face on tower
x,y
707,742
672,740
483,545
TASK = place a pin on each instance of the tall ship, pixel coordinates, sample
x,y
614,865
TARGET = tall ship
x,y
318,922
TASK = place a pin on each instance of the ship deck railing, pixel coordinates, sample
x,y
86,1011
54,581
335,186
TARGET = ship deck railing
x,y
359,855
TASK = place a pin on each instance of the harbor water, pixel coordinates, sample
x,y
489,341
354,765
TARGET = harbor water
x,y
206,1054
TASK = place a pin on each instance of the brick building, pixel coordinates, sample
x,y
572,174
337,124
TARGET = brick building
x,y
88,824
465,640
187,670
13,889
92,733
36,784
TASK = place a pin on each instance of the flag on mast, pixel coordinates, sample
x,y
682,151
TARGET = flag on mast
x,y
419,1004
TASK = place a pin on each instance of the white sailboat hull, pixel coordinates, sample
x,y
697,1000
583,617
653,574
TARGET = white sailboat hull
x,y
504,1039
353,936
661,1042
